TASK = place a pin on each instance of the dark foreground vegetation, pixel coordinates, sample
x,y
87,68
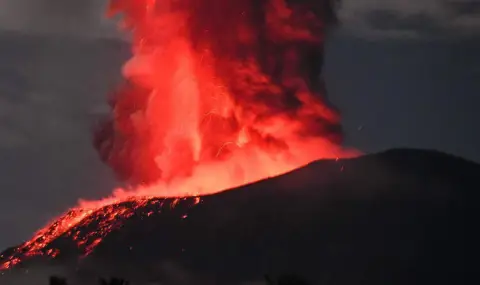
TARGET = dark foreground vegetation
x,y
288,279
55,280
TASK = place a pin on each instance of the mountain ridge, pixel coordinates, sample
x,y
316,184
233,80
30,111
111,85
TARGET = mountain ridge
x,y
400,216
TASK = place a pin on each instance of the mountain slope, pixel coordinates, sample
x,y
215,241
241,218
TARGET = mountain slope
x,y
398,217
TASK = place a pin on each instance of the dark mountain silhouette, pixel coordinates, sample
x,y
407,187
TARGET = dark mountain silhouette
x,y
399,217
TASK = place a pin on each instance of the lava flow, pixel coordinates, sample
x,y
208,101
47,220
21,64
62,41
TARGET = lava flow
x,y
218,93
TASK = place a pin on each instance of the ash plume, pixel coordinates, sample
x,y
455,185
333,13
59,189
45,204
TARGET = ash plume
x,y
256,68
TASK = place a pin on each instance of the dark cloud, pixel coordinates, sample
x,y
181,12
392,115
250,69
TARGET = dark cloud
x,y
73,17
370,18
464,8
387,20
411,18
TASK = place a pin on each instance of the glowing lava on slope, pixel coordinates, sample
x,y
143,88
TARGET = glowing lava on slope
x,y
218,93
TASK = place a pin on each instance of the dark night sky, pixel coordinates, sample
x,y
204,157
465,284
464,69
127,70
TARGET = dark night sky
x,y
406,71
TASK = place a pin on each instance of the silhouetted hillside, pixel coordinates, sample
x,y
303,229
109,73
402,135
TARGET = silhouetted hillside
x,y
398,217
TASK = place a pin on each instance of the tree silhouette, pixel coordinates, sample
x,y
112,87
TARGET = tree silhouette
x,y
55,280
113,281
287,279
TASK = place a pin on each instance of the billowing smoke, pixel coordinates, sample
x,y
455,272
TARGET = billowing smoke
x,y
217,82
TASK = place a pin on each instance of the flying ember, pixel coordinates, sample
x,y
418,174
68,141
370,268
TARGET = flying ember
x,y
218,93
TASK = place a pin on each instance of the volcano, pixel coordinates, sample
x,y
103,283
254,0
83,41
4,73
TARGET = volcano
x,y
219,97
403,216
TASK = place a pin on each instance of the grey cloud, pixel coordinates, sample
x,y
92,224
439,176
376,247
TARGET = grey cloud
x,y
83,18
411,18
369,18
464,8
390,21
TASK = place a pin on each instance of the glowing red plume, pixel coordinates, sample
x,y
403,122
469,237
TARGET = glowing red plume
x,y
216,81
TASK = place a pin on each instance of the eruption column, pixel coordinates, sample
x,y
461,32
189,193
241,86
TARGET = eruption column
x,y
229,89
218,93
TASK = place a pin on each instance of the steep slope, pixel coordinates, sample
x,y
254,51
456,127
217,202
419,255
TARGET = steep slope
x,y
398,217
